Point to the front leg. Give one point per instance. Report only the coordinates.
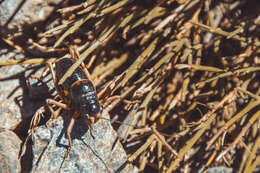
(55, 114)
(57, 87)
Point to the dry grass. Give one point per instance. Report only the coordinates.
(187, 73)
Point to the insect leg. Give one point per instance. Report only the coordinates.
(88, 123)
(44, 73)
(75, 55)
(71, 124)
(58, 89)
(55, 114)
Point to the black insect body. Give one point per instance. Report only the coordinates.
(78, 91)
(84, 98)
(79, 95)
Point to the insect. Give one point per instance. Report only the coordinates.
(78, 93)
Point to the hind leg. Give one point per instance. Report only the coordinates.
(69, 129)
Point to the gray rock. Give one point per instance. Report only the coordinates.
(99, 152)
(220, 169)
(19, 101)
(15, 14)
(9, 150)
(10, 90)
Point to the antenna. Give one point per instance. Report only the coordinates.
(119, 122)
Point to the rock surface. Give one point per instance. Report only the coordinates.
(99, 152)
(20, 95)
(220, 169)
(10, 92)
(9, 150)
(16, 14)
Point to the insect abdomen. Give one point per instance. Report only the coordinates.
(62, 67)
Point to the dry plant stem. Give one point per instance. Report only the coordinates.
(28, 61)
(184, 87)
(72, 29)
(198, 67)
(220, 104)
(249, 93)
(142, 148)
(245, 158)
(227, 162)
(161, 138)
(116, 6)
(46, 49)
(249, 166)
(233, 33)
(116, 102)
(111, 66)
(83, 56)
(175, 100)
(252, 120)
(77, 25)
(143, 161)
(160, 154)
(253, 165)
(37, 117)
(44, 73)
(135, 115)
(106, 91)
(56, 29)
(221, 32)
(242, 113)
(211, 158)
(34, 122)
(222, 75)
(10, 43)
(190, 143)
(170, 18)
(86, 10)
(141, 130)
(72, 8)
(92, 60)
(133, 69)
(146, 101)
(163, 116)
(178, 45)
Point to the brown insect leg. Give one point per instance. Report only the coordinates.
(110, 99)
(71, 124)
(88, 123)
(75, 56)
(55, 114)
(58, 89)
(43, 74)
